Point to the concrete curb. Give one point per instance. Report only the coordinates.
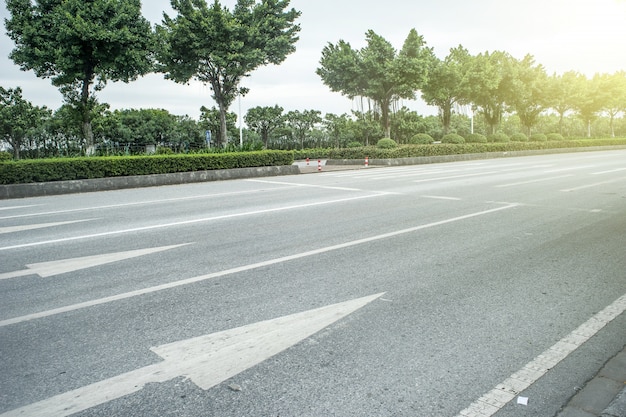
(468, 157)
(117, 183)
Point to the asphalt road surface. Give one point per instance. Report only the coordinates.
(494, 287)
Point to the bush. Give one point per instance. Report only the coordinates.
(499, 137)
(476, 138)
(386, 143)
(421, 139)
(452, 138)
(519, 137)
(354, 144)
(538, 137)
(164, 150)
(5, 156)
(554, 137)
(60, 169)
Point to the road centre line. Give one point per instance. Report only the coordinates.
(326, 187)
(188, 222)
(137, 203)
(609, 171)
(507, 390)
(533, 181)
(441, 197)
(582, 187)
(457, 176)
(245, 268)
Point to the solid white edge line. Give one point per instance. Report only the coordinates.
(243, 268)
(507, 390)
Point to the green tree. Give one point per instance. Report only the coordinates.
(488, 84)
(301, 123)
(587, 101)
(528, 98)
(81, 45)
(211, 120)
(339, 129)
(561, 91)
(18, 118)
(445, 85)
(612, 95)
(377, 71)
(264, 121)
(218, 47)
(405, 124)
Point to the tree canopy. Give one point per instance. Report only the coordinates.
(80, 45)
(377, 71)
(219, 47)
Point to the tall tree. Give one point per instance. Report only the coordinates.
(18, 118)
(81, 45)
(377, 71)
(264, 121)
(528, 98)
(488, 82)
(444, 87)
(561, 92)
(587, 101)
(219, 47)
(301, 123)
(612, 95)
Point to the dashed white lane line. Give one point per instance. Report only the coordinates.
(188, 222)
(609, 171)
(582, 187)
(507, 390)
(441, 197)
(22, 228)
(513, 184)
(245, 268)
(325, 187)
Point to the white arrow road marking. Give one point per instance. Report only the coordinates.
(206, 360)
(244, 268)
(48, 269)
(11, 229)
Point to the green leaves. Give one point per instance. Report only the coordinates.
(81, 44)
(377, 71)
(219, 47)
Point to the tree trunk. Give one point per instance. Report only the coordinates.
(223, 139)
(86, 116)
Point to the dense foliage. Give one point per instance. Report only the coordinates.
(490, 96)
(42, 170)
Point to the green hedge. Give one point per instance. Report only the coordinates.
(44, 170)
(413, 151)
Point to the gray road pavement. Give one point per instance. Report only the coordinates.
(434, 290)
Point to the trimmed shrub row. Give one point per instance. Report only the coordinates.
(413, 151)
(44, 170)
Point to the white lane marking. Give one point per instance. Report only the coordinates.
(582, 187)
(136, 203)
(513, 184)
(441, 197)
(457, 176)
(503, 393)
(609, 171)
(552, 171)
(22, 228)
(207, 360)
(327, 187)
(48, 269)
(188, 222)
(244, 268)
(18, 207)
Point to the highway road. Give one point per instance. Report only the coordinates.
(477, 288)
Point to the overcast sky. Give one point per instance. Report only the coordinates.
(582, 35)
